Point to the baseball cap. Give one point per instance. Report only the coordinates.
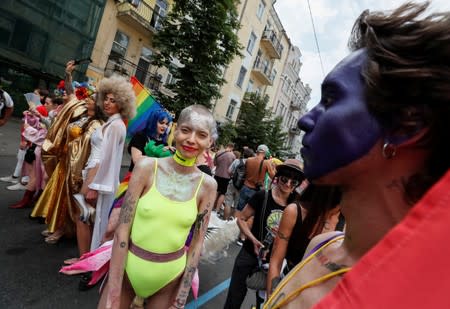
(262, 148)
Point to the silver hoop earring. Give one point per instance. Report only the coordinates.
(389, 150)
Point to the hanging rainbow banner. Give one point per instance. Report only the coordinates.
(145, 105)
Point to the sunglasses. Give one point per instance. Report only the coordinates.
(284, 180)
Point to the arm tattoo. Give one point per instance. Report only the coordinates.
(190, 271)
(200, 220)
(282, 236)
(275, 282)
(179, 303)
(126, 213)
(123, 244)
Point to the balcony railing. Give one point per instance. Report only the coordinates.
(294, 131)
(263, 72)
(140, 15)
(295, 105)
(270, 41)
(121, 66)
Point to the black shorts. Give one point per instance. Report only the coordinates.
(222, 184)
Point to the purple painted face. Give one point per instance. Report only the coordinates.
(340, 129)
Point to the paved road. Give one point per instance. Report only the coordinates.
(29, 275)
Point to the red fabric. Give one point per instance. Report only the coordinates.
(42, 110)
(409, 267)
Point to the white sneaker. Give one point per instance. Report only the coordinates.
(16, 187)
(25, 179)
(10, 178)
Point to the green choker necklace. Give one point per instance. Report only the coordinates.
(178, 157)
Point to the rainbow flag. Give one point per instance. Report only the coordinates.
(145, 105)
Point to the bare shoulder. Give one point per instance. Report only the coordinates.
(144, 165)
(209, 184)
(320, 238)
(291, 210)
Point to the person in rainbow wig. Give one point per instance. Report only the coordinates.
(149, 262)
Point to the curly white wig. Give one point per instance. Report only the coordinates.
(123, 93)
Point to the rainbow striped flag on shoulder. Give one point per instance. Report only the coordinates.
(145, 105)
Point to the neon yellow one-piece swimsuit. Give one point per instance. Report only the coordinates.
(160, 225)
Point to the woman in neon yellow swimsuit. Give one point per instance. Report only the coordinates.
(164, 199)
(381, 133)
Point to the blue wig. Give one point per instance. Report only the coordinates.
(151, 127)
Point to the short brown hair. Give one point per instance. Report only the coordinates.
(407, 79)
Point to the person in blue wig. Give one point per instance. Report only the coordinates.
(152, 140)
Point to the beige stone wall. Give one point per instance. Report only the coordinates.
(230, 90)
(110, 23)
(251, 23)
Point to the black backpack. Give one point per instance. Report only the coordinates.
(238, 177)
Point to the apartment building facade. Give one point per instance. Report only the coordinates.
(291, 99)
(265, 51)
(124, 43)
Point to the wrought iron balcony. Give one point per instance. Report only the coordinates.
(271, 43)
(263, 73)
(295, 105)
(146, 75)
(140, 15)
(294, 131)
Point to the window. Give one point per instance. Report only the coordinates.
(285, 86)
(276, 107)
(143, 64)
(231, 108)
(169, 79)
(120, 45)
(260, 10)
(21, 35)
(134, 3)
(251, 42)
(250, 86)
(273, 75)
(6, 29)
(241, 76)
(159, 12)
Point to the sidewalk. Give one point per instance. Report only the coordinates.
(10, 137)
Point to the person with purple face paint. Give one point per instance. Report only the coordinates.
(380, 133)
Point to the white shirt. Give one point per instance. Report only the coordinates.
(5, 101)
(106, 179)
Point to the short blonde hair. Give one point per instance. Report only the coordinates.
(123, 93)
(186, 113)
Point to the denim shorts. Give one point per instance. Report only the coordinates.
(244, 196)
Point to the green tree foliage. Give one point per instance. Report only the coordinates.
(254, 125)
(201, 35)
(275, 137)
(227, 133)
